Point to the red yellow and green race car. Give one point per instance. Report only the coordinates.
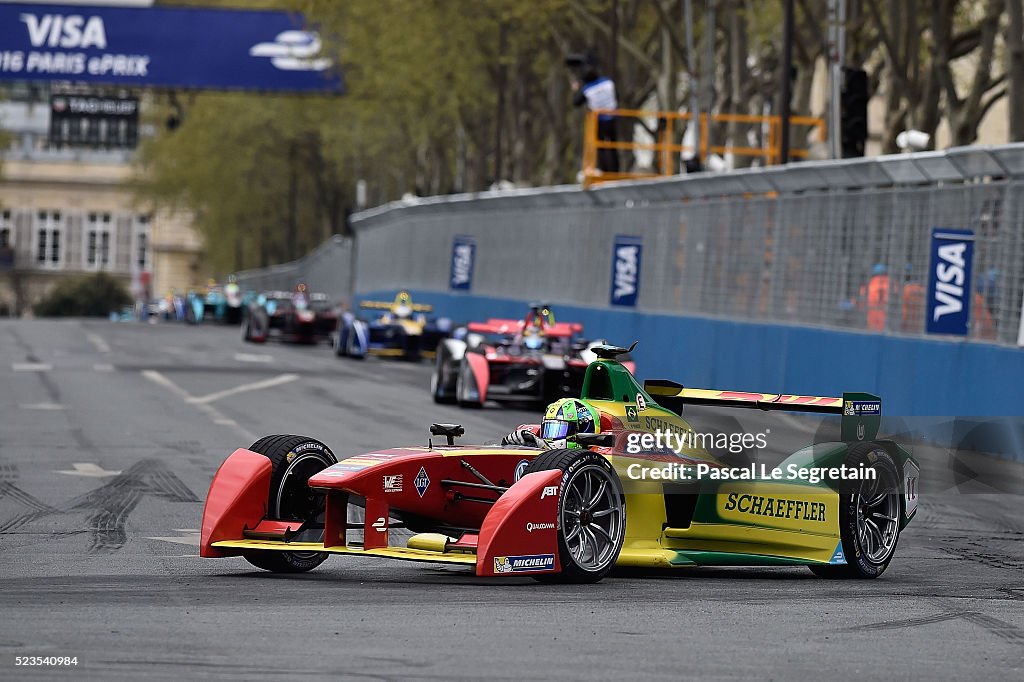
(616, 477)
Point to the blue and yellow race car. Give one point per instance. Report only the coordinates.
(401, 330)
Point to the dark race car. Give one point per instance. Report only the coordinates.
(297, 317)
(534, 359)
(401, 330)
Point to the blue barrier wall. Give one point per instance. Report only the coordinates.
(914, 376)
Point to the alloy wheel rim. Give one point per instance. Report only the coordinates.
(592, 518)
(295, 494)
(878, 516)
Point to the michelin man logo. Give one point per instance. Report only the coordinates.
(502, 564)
(293, 51)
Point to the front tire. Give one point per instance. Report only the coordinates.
(293, 460)
(437, 379)
(591, 514)
(463, 383)
(869, 516)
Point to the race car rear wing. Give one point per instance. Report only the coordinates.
(499, 326)
(861, 412)
(388, 305)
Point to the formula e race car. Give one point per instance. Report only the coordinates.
(401, 331)
(297, 317)
(223, 303)
(533, 359)
(568, 514)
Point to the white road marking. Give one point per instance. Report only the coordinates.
(41, 406)
(213, 413)
(191, 537)
(253, 357)
(98, 343)
(89, 469)
(31, 367)
(254, 386)
(103, 367)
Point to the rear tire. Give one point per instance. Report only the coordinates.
(869, 516)
(293, 460)
(591, 514)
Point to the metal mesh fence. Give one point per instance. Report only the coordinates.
(836, 244)
(327, 269)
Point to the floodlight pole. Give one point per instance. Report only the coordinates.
(691, 65)
(787, 68)
(836, 57)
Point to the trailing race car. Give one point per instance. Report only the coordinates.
(583, 491)
(534, 359)
(298, 317)
(223, 304)
(402, 330)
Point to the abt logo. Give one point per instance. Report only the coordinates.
(549, 491)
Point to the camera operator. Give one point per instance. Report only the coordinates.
(597, 92)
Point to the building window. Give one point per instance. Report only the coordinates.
(98, 241)
(6, 230)
(142, 240)
(6, 240)
(49, 239)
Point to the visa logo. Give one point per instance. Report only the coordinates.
(949, 289)
(463, 263)
(626, 267)
(58, 30)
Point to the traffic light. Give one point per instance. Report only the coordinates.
(854, 111)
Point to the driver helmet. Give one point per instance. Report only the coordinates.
(533, 338)
(567, 417)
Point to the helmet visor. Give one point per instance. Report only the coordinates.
(556, 429)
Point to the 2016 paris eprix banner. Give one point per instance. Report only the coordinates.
(168, 47)
(949, 282)
(626, 254)
(463, 257)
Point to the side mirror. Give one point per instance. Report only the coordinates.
(605, 440)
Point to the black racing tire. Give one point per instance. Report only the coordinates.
(293, 460)
(436, 386)
(258, 327)
(606, 513)
(339, 348)
(869, 516)
(459, 387)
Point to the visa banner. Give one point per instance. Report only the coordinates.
(185, 47)
(463, 257)
(627, 254)
(949, 282)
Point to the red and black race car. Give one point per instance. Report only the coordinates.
(298, 317)
(534, 359)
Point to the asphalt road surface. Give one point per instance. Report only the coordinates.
(110, 435)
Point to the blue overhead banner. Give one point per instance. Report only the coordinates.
(463, 257)
(183, 47)
(949, 282)
(626, 255)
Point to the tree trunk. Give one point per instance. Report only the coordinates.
(1015, 68)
